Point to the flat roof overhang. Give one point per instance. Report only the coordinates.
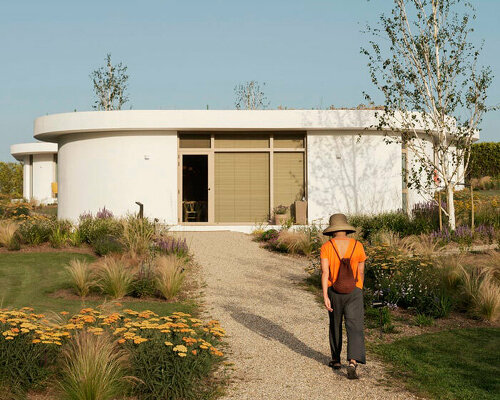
(20, 150)
(49, 128)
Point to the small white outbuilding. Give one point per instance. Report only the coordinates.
(39, 170)
(214, 169)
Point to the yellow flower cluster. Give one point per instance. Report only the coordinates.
(178, 331)
(25, 321)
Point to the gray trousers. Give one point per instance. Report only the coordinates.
(351, 307)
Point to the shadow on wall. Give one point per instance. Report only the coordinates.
(271, 330)
(352, 174)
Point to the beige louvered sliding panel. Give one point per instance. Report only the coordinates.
(241, 187)
(288, 178)
(288, 141)
(242, 140)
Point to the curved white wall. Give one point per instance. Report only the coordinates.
(39, 170)
(117, 169)
(352, 174)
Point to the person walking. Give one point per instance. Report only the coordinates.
(343, 267)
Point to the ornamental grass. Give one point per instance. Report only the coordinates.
(114, 277)
(138, 234)
(80, 276)
(169, 275)
(7, 231)
(93, 368)
(170, 357)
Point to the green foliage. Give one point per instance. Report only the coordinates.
(380, 318)
(423, 320)
(18, 211)
(15, 243)
(459, 364)
(92, 228)
(484, 160)
(165, 375)
(144, 284)
(106, 245)
(11, 179)
(110, 86)
(36, 231)
(408, 282)
(397, 222)
(23, 364)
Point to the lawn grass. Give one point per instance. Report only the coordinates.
(454, 364)
(28, 279)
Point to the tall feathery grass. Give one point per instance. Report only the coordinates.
(114, 277)
(81, 277)
(94, 368)
(475, 286)
(138, 234)
(169, 275)
(7, 231)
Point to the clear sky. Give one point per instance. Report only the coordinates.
(189, 54)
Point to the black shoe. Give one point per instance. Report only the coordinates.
(335, 364)
(351, 371)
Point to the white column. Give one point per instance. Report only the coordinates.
(27, 168)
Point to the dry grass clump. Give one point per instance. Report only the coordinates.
(114, 277)
(7, 231)
(93, 368)
(424, 245)
(169, 275)
(393, 240)
(81, 276)
(295, 242)
(476, 286)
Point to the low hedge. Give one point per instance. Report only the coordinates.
(484, 160)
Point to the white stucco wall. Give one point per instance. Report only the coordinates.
(26, 177)
(43, 176)
(116, 170)
(351, 174)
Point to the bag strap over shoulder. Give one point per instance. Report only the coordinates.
(353, 248)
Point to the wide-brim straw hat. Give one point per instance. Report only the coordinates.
(338, 222)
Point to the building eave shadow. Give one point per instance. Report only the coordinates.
(270, 330)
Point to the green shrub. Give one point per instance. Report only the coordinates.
(484, 159)
(11, 179)
(269, 234)
(176, 372)
(75, 238)
(144, 284)
(114, 277)
(36, 231)
(94, 368)
(106, 245)
(91, 229)
(23, 365)
(408, 282)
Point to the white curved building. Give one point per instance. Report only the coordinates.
(39, 170)
(224, 168)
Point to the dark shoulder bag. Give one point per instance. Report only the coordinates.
(345, 282)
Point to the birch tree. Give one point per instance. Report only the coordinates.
(423, 61)
(249, 96)
(110, 86)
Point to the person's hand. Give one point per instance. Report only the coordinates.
(328, 304)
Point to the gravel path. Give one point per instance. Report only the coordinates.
(276, 330)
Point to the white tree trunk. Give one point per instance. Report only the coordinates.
(451, 207)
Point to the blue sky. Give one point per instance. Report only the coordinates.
(190, 54)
